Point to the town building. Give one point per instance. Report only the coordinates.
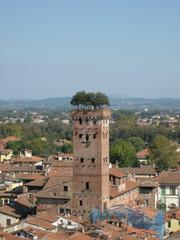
(169, 189)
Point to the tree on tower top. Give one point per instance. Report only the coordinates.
(89, 100)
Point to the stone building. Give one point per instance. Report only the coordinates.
(91, 160)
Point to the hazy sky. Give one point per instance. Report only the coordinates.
(51, 48)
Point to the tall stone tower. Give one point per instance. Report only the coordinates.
(91, 160)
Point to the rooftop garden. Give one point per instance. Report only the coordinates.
(90, 101)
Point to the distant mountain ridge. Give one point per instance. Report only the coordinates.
(63, 103)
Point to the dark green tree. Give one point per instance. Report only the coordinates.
(12, 129)
(124, 153)
(79, 99)
(67, 148)
(100, 100)
(137, 143)
(17, 146)
(163, 153)
(89, 100)
(40, 147)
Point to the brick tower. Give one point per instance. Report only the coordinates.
(91, 160)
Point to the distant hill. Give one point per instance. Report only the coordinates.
(63, 103)
(48, 103)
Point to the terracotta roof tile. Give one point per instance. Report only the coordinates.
(9, 139)
(24, 200)
(24, 168)
(148, 183)
(143, 153)
(41, 223)
(29, 176)
(33, 159)
(7, 210)
(47, 216)
(54, 236)
(79, 236)
(38, 182)
(144, 170)
(8, 236)
(169, 178)
(114, 192)
(116, 172)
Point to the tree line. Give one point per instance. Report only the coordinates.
(126, 138)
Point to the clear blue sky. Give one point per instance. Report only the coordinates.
(51, 48)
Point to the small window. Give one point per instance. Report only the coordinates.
(80, 202)
(80, 135)
(87, 121)
(87, 185)
(169, 224)
(172, 190)
(94, 135)
(81, 160)
(163, 191)
(8, 221)
(65, 188)
(87, 137)
(93, 160)
(61, 210)
(80, 120)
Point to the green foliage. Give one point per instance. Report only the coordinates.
(28, 119)
(33, 135)
(17, 146)
(56, 129)
(100, 99)
(89, 100)
(124, 153)
(39, 147)
(161, 206)
(125, 126)
(11, 129)
(118, 114)
(67, 148)
(137, 143)
(163, 153)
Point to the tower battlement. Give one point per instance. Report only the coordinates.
(104, 113)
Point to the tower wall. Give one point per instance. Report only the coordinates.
(91, 160)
